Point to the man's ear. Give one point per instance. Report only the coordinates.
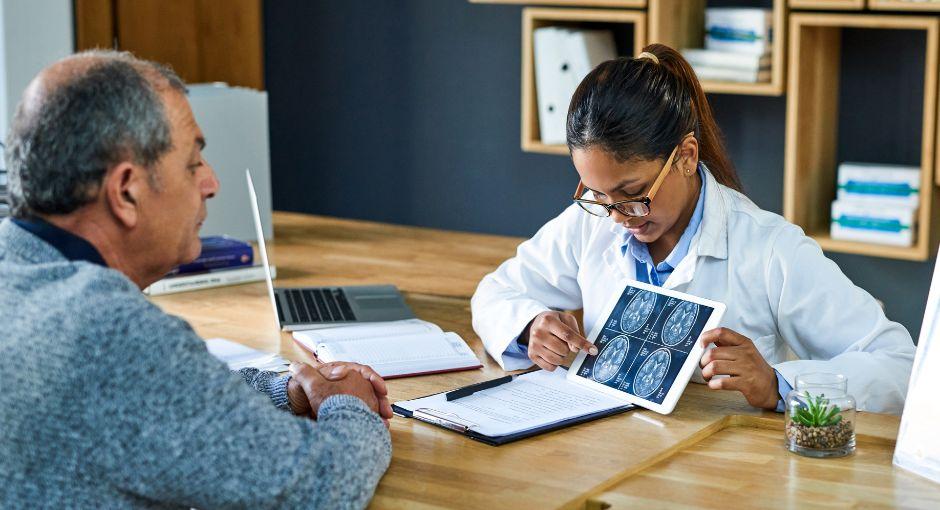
(125, 186)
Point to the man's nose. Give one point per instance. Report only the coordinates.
(209, 185)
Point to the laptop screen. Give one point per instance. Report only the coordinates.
(261, 247)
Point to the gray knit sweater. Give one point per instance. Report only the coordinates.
(107, 402)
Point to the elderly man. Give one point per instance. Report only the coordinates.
(107, 401)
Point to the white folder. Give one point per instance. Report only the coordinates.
(551, 82)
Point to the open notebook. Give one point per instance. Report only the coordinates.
(393, 349)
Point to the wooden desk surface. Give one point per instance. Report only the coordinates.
(595, 465)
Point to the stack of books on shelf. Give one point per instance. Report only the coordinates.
(222, 261)
(876, 203)
(4, 195)
(738, 46)
(563, 57)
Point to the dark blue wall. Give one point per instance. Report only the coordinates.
(408, 111)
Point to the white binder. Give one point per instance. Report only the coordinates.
(563, 57)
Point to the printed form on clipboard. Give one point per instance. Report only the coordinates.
(648, 349)
(393, 349)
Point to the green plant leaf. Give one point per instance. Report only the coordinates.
(830, 416)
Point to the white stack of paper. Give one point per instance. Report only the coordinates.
(738, 45)
(393, 349)
(238, 356)
(563, 57)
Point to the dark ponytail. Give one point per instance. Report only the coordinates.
(643, 107)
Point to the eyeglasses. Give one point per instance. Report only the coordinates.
(637, 207)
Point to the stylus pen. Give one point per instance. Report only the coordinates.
(473, 388)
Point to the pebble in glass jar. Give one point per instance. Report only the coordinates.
(820, 416)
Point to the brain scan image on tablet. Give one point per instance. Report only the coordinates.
(679, 323)
(638, 311)
(611, 358)
(651, 373)
(644, 341)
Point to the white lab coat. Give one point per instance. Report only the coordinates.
(779, 288)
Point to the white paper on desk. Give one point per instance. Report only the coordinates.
(310, 338)
(530, 401)
(238, 356)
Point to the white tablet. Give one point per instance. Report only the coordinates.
(647, 346)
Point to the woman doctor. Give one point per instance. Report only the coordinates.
(659, 202)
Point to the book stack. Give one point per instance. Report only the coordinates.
(738, 46)
(876, 203)
(563, 57)
(222, 261)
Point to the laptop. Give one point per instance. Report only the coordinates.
(299, 309)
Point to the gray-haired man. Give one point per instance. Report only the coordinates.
(107, 401)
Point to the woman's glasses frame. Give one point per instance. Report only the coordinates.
(635, 207)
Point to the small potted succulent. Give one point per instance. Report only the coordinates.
(818, 425)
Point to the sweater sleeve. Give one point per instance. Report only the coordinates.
(173, 425)
(268, 383)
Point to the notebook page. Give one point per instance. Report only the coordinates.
(311, 338)
(398, 355)
(238, 356)
(530, 401)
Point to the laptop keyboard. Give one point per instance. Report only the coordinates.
(319, 305)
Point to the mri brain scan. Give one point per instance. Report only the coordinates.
(637, 311)
(651, 373)
(611, 359)
(679, 323)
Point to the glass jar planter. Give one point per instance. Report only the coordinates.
(820, 416)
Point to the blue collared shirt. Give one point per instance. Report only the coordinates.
(647, 271)
(71, 246)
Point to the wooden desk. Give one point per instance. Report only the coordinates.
(713, 446)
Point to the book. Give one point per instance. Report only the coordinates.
(854, 220)
(729, 74)
(699, 57)
(218, 252)
(393, 349)
(741, 30)
(891, 185)
(208, 280)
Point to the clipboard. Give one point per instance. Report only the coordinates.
(455, 423)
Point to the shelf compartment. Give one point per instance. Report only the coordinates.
(681, 24)
(633, 27)
(812, 127)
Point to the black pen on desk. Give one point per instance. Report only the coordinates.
(466, 391)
